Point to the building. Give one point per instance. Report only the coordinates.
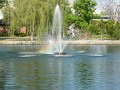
(1, 15)
(71, 2)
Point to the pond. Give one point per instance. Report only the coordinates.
(83, 67)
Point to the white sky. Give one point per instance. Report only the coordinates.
(99, 6)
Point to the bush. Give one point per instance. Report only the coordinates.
(94, 29)
(3, 33)
(20, 34)
(116, 34)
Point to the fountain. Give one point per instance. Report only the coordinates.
(54, 42)
(57, 31)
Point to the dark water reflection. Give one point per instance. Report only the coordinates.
(91, 67)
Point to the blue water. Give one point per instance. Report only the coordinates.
(83, 67)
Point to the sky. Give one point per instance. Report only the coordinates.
(99, 5)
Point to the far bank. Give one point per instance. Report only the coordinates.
(74, 42)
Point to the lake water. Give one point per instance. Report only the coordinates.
(83, 67)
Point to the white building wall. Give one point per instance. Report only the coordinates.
(71, 2)
(1, 15)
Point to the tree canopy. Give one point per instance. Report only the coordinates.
(83, 13)
(35, 15)
(3, 3)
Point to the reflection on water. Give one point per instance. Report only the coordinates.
(82, 71)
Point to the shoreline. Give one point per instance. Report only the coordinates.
(96, 42)
(75, 42)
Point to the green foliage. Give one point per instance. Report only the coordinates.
(93, 29)
(35, 15)
(84, 10)
(97, 26)
(3, 33)
(20, 34)
(69, 16)
(2, 3)
(80, 14)
(110, 27)
(116, 34)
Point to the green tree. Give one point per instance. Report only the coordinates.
(102, 28)
(84, 12)
(93, 27)
(116, 34)
(2, 3)
(116, 31)
(98, 27)
(110, 27)
(35, 15)
(69, 17)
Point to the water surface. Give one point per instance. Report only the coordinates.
(88, 67)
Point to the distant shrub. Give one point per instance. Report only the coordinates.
(20, 34)
(94, 29)
(116, 34)
(3, 32)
